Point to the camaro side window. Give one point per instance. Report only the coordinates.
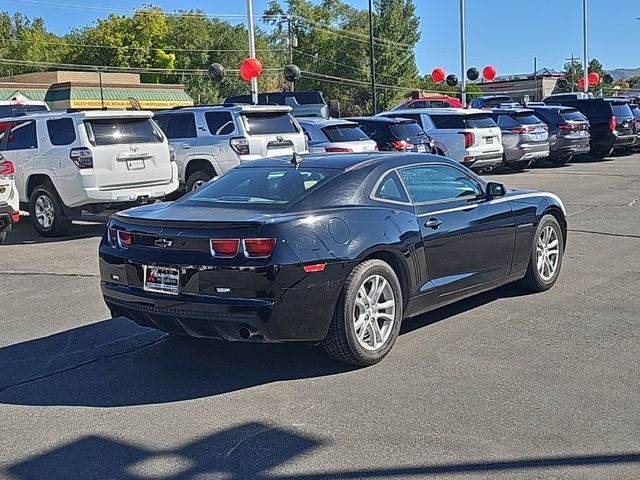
(436, 183)
(391, 189)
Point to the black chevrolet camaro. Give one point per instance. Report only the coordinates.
(334, 249)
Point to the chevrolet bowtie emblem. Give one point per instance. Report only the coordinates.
(163, 243)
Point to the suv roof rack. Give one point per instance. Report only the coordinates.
(211, 105)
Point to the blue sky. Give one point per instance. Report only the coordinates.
(504, 33)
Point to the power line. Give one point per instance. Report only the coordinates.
(62, 42)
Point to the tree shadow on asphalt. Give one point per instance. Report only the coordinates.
(117, 363)
(259, 451)
(23, 232)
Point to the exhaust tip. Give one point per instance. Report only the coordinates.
(244, 333)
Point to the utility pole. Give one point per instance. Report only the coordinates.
(572, 59)
(372, 61)
(291, 43)
(463, 56)
(99, 70)
(535, 79)
(252, 49)
(585, 31)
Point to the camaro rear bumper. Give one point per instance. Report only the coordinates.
(293, 306)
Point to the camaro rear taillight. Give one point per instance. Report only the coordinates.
(7, 169)
(258, 247)
(82, 157)
(124, 239)
(224, 247)
(240, 145)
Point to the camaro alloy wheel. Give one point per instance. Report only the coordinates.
(366, 320)
(374, 312)
(547, 253)
(546, 256)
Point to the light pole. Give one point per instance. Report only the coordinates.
(372, 61)
(463, 56)
(252, 49)
(99, 70)
(585, 57)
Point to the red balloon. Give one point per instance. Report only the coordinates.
(438, 75)
(581, 82)
(250, 68)
(489, 72)
(594, 79)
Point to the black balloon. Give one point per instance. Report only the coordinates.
(608, 78)
(473, 73)
(452, 80)
(216, 72)
(562, 83)
(292, 73)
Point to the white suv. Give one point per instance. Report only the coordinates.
(93, 160)
(211, 139)
(469, 136)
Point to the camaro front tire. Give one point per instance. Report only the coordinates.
(367, 317)
(546, 256)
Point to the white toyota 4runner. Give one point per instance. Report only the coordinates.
(88, 160)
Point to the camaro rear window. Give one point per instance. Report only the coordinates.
(114, 131)
(261, 186)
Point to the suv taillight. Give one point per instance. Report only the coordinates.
(240, 145)
(7, 169)
(520, 130)
(172, 153)
(570, 127)
(402, 145)
(612, 124)
(337, 150)
(82, 157)
(469, 139)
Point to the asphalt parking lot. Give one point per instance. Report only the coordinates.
(503, 385)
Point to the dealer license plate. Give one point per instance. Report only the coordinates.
(135, 164)
(422, 148)
(162, 280)
(489, 140)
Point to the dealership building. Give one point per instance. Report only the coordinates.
(88, 90)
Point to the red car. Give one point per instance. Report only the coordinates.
(428, 100)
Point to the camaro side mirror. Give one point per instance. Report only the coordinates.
(495, 189)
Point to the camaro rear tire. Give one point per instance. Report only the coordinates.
(47, 212)
(367, 318)
(546, 256)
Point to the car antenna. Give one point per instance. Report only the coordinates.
(296, 159)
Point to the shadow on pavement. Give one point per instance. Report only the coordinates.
(255, 450)
(88, 227)
(118, 363)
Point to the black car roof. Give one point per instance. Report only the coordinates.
(513, 111)
(348, 161)
(551, 107)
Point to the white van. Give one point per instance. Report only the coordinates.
(469, 136)
(91, 160)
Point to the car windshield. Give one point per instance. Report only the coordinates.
(621, 110)
(261, 186)
(344, 133)
(115, 131)
(268, 123)
(527, 119)
(572, 116)
(407, 130)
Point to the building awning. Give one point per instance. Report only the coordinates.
(29, 94)
(146, 96)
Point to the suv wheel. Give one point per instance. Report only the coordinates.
(198, 179)
(366, 320)
(47, 212)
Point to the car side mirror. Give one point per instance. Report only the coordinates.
(495, 189)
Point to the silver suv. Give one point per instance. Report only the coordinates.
(209, 140)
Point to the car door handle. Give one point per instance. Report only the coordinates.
(433, 222)
(185, 146)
